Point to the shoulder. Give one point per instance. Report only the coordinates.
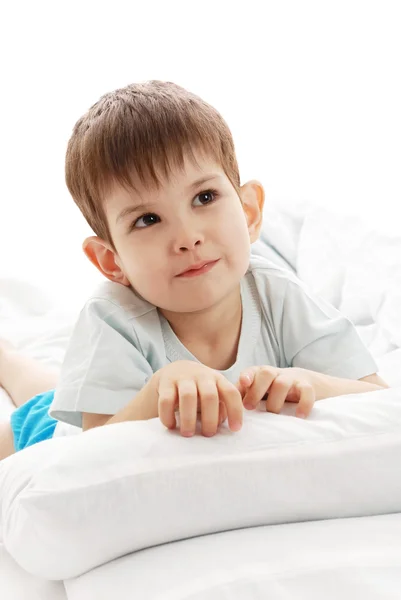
(281, 292)
(271, 281)
(116, 312)
(278, 279)
(110, 298)
(263, 268)
(115, 325)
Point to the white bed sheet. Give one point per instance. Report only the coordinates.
(333, 559)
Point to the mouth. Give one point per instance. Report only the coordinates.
(199, 269)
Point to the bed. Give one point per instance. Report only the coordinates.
(288, 509)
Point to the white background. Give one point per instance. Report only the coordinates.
(310, 89)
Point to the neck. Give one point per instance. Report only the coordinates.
(212, 335)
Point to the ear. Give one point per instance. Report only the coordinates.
(252, 197)
(105, 259)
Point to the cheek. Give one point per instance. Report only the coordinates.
(236, 230)
(147, 274)
(138, 257)
(146, 261)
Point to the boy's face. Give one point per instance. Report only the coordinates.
(185, 247)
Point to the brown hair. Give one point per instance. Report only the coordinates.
(141, 129)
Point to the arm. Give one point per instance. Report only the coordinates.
(142, 407)
(375, 379)
(317, 337)
(192, 388)
(326, 386)
(104, 370)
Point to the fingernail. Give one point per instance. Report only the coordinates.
(187, 433)
(301, 415)
(236, 426)
(248, 406)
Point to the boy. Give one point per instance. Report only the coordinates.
(188, 320)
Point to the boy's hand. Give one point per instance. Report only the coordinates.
(192, 387)
(280, 385)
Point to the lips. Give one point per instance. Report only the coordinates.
(198, 268)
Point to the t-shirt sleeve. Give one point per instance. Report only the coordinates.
(103, 367)
(316, 336)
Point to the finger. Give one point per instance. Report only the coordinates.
(231, 398)
(222, 413)
(278, 393)
(187, 401)
(264, 378)
(209, 401)
(246, 379)
(306, 400)
(167, 400)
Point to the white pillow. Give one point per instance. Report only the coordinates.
(73, 503)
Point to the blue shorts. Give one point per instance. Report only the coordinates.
(31, 422)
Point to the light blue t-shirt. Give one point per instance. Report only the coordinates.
(120, 340)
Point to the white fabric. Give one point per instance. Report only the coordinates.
(281, 230)
(341, 559)
(120, 340)
(17, 584)
(88, 499)
(357, 269)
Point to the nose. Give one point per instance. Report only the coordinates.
(187, 238)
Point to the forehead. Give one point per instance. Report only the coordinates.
(193, 170)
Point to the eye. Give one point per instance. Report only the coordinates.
(145, 221)
(206, 197)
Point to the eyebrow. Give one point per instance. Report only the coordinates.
(146, 205)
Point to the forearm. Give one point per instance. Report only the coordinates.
(141, 408)
(326, 386)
